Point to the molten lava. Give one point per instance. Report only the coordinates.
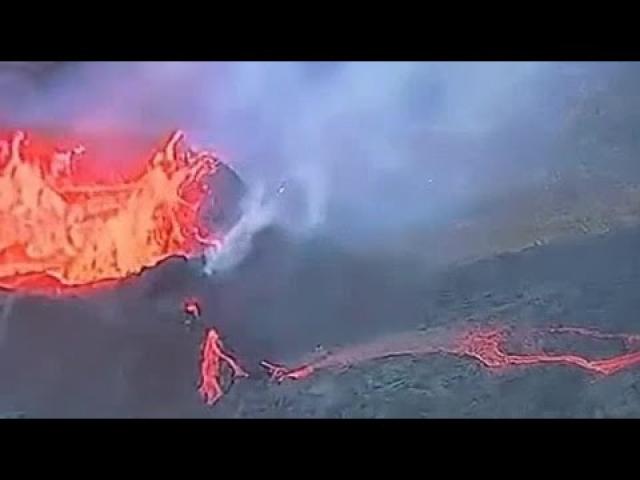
(191, 307)
(484, 345)
(487, 346)
(402, 344)
(213, 357)
(64, 229)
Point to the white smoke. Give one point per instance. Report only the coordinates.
(358, 145)
(257, 213)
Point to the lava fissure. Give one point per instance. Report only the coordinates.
(484, 345)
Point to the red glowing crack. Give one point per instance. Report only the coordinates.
(486, 345)
(410, 343)
(628, 339)
(280, 372)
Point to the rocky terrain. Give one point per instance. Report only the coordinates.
(120, 354)
(591, 284)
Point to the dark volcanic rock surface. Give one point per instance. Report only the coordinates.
(127, 352)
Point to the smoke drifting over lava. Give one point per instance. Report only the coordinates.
(357, 151)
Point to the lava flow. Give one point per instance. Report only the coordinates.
(63, 230)
(484, 345)
(191, 307)
(403, 344)
(487, 347)
(213, 356)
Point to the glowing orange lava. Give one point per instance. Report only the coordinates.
(63, 228)
(486, 345)
(213, 356)
(191, 307)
